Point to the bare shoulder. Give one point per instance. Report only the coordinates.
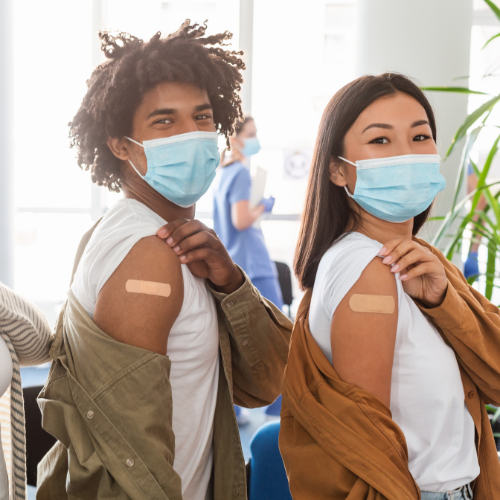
(142, 319)
(376, 278)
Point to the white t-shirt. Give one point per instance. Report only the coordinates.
(5, 380)
(427, 395)
(193, 343)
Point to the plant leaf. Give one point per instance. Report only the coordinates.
(451, 216)
(492, 38)
(464, 162)
(460, 90)
(494, 8)
(490, 269)
(470, 120)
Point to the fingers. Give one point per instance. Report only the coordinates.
(420, 270)
(395, 249)
(205, 254)
(166, 230)
(197, 240)
(412, 257)
(174, 232)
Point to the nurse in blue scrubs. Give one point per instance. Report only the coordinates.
(233, 217)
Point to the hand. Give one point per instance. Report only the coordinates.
(200, 248)
(471, 266)
(421, 272)
(268, 203)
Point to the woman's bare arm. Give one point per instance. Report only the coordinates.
(242, 216)
(363, 342)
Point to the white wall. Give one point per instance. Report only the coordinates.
(428, 40)
(6, 136)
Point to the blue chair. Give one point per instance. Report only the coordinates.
(267, 479)
(274, 409)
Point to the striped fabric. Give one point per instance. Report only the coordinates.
(28, 337)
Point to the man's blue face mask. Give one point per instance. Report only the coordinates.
(251, 146)
(182, 167)
(397, 188)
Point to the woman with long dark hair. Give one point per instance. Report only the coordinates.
(389, 338)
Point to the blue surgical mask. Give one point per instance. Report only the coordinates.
(182, 167)
(251, 146)
(397, 188)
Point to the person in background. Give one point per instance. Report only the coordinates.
(25, 339)
(234, 217)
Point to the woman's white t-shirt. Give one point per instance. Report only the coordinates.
(5, 380)
(193, 342)
(427, 395)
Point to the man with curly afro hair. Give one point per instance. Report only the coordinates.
(162, 333)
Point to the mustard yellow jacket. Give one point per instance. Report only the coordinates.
(339, 442)
(109, 404)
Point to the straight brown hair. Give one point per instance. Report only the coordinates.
(327, 213)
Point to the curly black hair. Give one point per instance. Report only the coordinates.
(116, 88)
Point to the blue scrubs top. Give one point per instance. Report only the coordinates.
(247, 248)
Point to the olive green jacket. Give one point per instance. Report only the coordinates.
(109, 404)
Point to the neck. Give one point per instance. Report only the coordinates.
(381, 230)
(138, 189)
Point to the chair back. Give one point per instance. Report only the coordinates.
(285, 279)
(38, 441)
(267, 479)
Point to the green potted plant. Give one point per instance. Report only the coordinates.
(467, 213)
(481, 219)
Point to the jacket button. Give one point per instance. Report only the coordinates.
(90, 415)
(229, 304)
(129, 462)
(471, 394)
(245, 342)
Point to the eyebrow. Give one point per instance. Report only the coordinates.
(390, 127)
(173, 111)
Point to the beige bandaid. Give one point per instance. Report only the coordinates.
(148, 287)
(383, 304)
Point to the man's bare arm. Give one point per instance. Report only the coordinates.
(142, 320)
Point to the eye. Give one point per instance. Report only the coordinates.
(380, 140)
(164, 121)
(421, 137)
(204, 117)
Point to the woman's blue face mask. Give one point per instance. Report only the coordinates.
(251, 146)
(397, 188)
(182, 167)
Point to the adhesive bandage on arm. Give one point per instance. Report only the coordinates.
(383, 304)
(148, 288)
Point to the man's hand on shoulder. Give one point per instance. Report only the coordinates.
(141, 319)
(201, 249)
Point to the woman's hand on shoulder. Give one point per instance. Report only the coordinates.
(421, 272)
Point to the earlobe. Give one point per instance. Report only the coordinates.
(336, 173)
(118, 148)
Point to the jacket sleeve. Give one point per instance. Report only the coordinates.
(259, 337)
(26, 327)
(471, 326)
